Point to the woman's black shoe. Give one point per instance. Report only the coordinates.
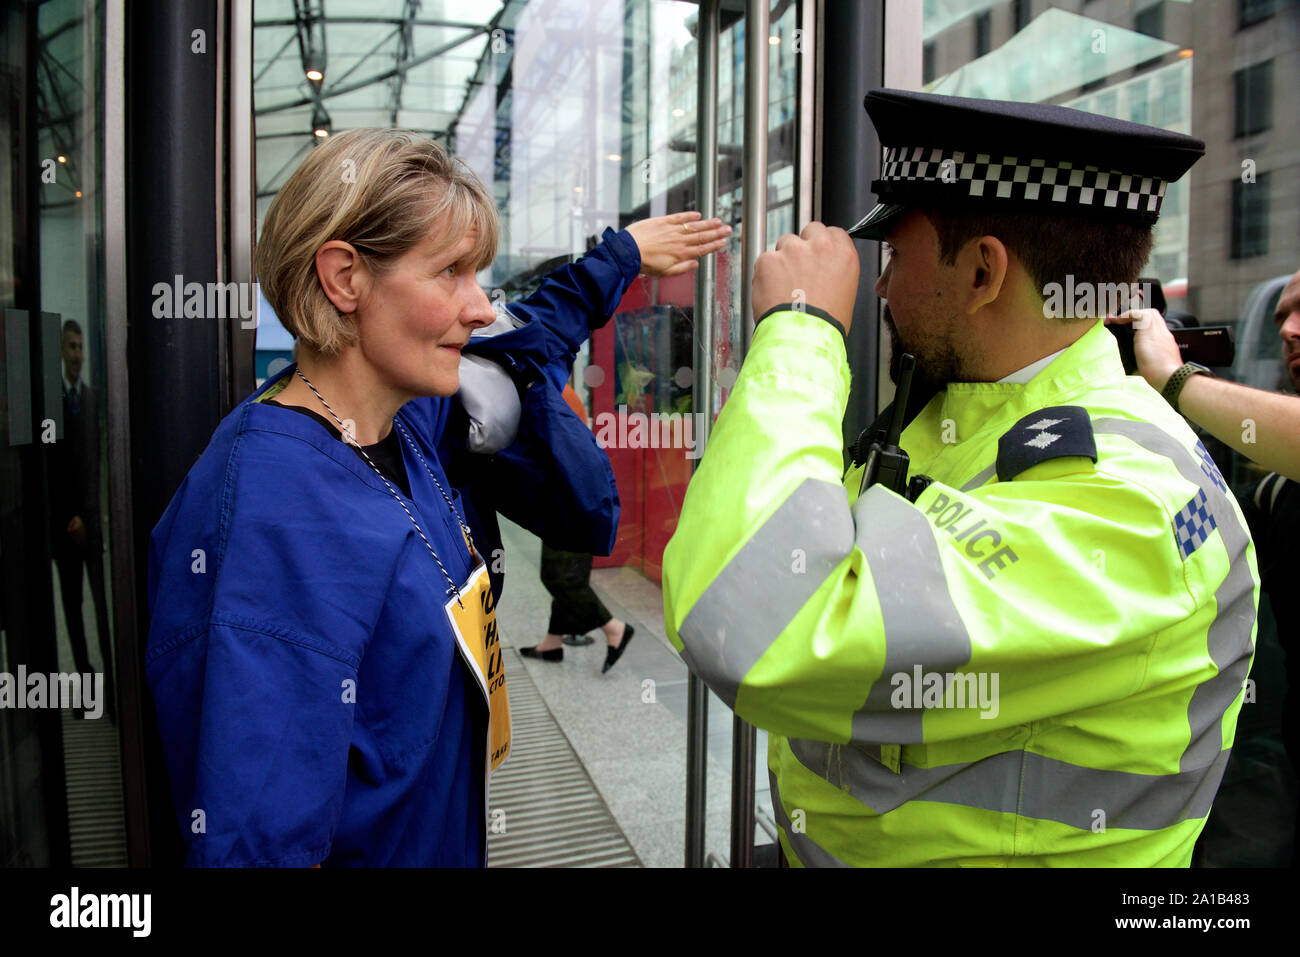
(553, 654)
(613, 654)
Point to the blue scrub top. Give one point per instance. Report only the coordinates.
(312, 702)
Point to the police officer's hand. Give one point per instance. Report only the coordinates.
(818, 268)
(1154, 347)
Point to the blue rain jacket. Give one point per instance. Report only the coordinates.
(312, 704)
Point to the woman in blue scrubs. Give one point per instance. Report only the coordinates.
(321, 645)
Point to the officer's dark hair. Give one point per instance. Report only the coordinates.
(71, 325)
(1051, 247)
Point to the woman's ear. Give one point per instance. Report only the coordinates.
(986, 268)
(339, 269)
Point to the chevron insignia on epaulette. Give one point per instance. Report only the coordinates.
(1053, 433)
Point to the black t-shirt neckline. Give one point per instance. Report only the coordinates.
(386, 453)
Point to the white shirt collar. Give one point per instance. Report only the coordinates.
(1028, 372)
(70, 387)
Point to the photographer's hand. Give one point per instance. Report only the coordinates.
(1157, 353)
(1262, 426)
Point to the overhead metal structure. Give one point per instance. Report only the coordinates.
(315, 68)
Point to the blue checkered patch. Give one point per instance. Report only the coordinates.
(1193, 524)
(1210, 469)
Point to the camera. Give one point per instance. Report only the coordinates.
(1208, 345)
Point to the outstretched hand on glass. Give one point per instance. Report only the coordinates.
(673, 244)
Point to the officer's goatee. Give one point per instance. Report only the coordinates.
(926, 379)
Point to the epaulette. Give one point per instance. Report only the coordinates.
(1053, 433)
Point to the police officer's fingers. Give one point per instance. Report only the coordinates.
(677, 219)
(773, 281)
(813, 230)
(787, 240)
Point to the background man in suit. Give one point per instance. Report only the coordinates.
(76, 535)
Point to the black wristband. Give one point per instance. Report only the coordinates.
(1174, 387)
(807, 310)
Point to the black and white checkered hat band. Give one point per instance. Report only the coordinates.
(1034, 180)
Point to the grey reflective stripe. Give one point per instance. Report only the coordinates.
(761, 589)
(981, 478)
(1229, 639)
(1022, 783)
(922, 626)
(809, 853)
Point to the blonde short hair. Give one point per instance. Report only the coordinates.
(379, 190)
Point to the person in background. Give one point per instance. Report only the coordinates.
(575, 608)
(1222, 408)
(76, 534)
(1219, 406)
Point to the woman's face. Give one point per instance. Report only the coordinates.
(415, 317)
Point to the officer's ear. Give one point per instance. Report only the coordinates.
(983, 264)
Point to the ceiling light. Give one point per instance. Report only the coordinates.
(614, 157)
(679, 112)
(320, 122)
(62, 158)
(315, 75)
(774, 41)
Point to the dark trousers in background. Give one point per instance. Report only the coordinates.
(69, 559)
(575, 609)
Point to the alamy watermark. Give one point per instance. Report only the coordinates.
(127, 911)
(179, 299)
(654, 430)
(1089, 300)
(949, 690)
(59, 690)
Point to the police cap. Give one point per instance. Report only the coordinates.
(995, 156)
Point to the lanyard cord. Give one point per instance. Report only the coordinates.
(451, 585)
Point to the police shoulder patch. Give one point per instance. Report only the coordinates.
(1052, 433)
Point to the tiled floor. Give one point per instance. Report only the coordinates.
(628, 727)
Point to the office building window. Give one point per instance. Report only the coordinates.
(1250, 12)
(1250, 217)
(1139, 102)
(1151, 21)
(1254, 97)
(1170, 109)
(927, 63)
(983, 33)
(1022, 12)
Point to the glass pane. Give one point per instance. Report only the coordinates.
(1218, 254)
(61, 797)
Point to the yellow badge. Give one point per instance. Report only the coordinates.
(474, 620)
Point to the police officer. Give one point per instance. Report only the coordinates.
(1038, 655)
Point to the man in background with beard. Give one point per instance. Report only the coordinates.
(1034, 651)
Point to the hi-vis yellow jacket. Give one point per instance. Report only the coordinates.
(1039, 662)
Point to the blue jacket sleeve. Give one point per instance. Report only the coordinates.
(555, 479)
(559, 316)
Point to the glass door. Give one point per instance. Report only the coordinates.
(61, 799)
